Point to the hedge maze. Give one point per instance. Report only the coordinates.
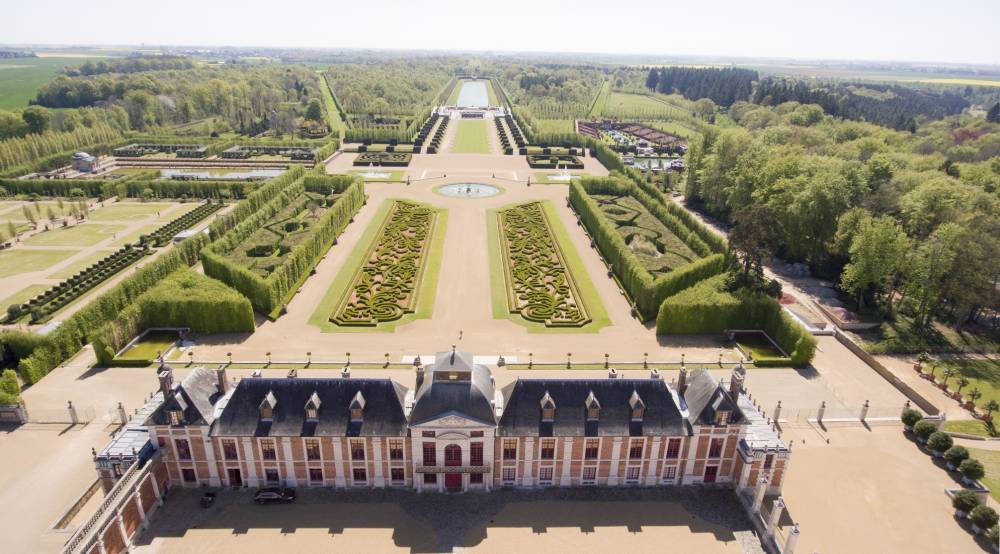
(539, 285)
(386, 285)
(656, 246)
(267, 247)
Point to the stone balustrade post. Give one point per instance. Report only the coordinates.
(793, 537)
(822, 410)
(74, 418)
(758, 497)
(864, 411)
(776, 509)
(777, 412)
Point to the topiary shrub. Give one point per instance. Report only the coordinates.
(923, 429)
(972, 470)
(964, 502)
(955, 456)
(938, 442)
(982, 518)
(910, 418)
(993, 535)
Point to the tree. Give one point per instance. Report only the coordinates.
(750, 239)
(653, 78)
(939, 442)
(910, 417)
(36, 118)
(991, 407)
(993, 116)
(877, 252)
(923, 429)
(12, 125)
(932, 263)
(975, 394)
(962, 383)
(964, 501)
(314, 111)
(956, 455)
(971, 469)
(983, 517)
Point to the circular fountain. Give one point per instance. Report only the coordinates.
(468, 190)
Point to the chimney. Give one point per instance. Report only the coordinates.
(222, 379)
(166, 376)
(420, 376)
(293, 373)
(654, 374)
(612, 373)
(682, 381)
(345, 372)
(736, 384)
(257, 374)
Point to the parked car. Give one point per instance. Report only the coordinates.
(207, 499)
(274, 495)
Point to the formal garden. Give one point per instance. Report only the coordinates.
(384, 159)
(387, 284)
(543, 284)
(268, 245)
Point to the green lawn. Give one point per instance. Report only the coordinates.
(970, 427)
(148, 346)
(85, 234)
(124, 211)
(395, 176)
(133, 237)
(471, 137)
(15, 261)
(22, 296)
(626, 105)
(983, 374)
(546, 178)
(345, 277)
(991, 462)
(20, 78)
(902, 336)
(79, 265)
(498, 283)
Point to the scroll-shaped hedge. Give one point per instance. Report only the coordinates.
(385, 286)
(540, 287)
(648, 292)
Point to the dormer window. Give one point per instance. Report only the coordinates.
(593, 407)
(176, 417)
(548, 408)
(637, 405)
(267, 406)
(722, 417)
(312, 407)
(357, 407)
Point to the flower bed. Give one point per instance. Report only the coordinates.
(164, 234)
(385, 286)
(540, 287)
(536, 161)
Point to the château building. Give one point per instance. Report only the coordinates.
(455, 431)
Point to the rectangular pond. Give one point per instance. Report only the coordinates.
(473, 94)
(222, 173)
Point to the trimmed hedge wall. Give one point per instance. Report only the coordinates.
(254, 201)
(183, 299)
(647, 292)
(268, 294)
(707, 308)
(67, 339)
(129, 187)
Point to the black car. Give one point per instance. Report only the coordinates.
(274, 495)
(207, 499)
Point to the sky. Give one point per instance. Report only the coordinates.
(959, 31)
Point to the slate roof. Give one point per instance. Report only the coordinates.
(472, 399)
(382, 415)
(195, 396)
(522, 412)
(704, 397)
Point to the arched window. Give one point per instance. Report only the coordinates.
(453, 455)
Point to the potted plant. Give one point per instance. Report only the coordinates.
(962, 383)
(922, 359)
(990, 407)
(923, 429)
(971, 470)
(982, 518)
(974, 396)
(938, 442)
(948, 374)
(955, 456)
(993, 535)
(964, 502)
(910, 418)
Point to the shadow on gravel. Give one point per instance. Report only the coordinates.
(433, 522)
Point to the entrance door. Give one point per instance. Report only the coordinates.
(710, 473)
(453, 482)
(235, 478)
